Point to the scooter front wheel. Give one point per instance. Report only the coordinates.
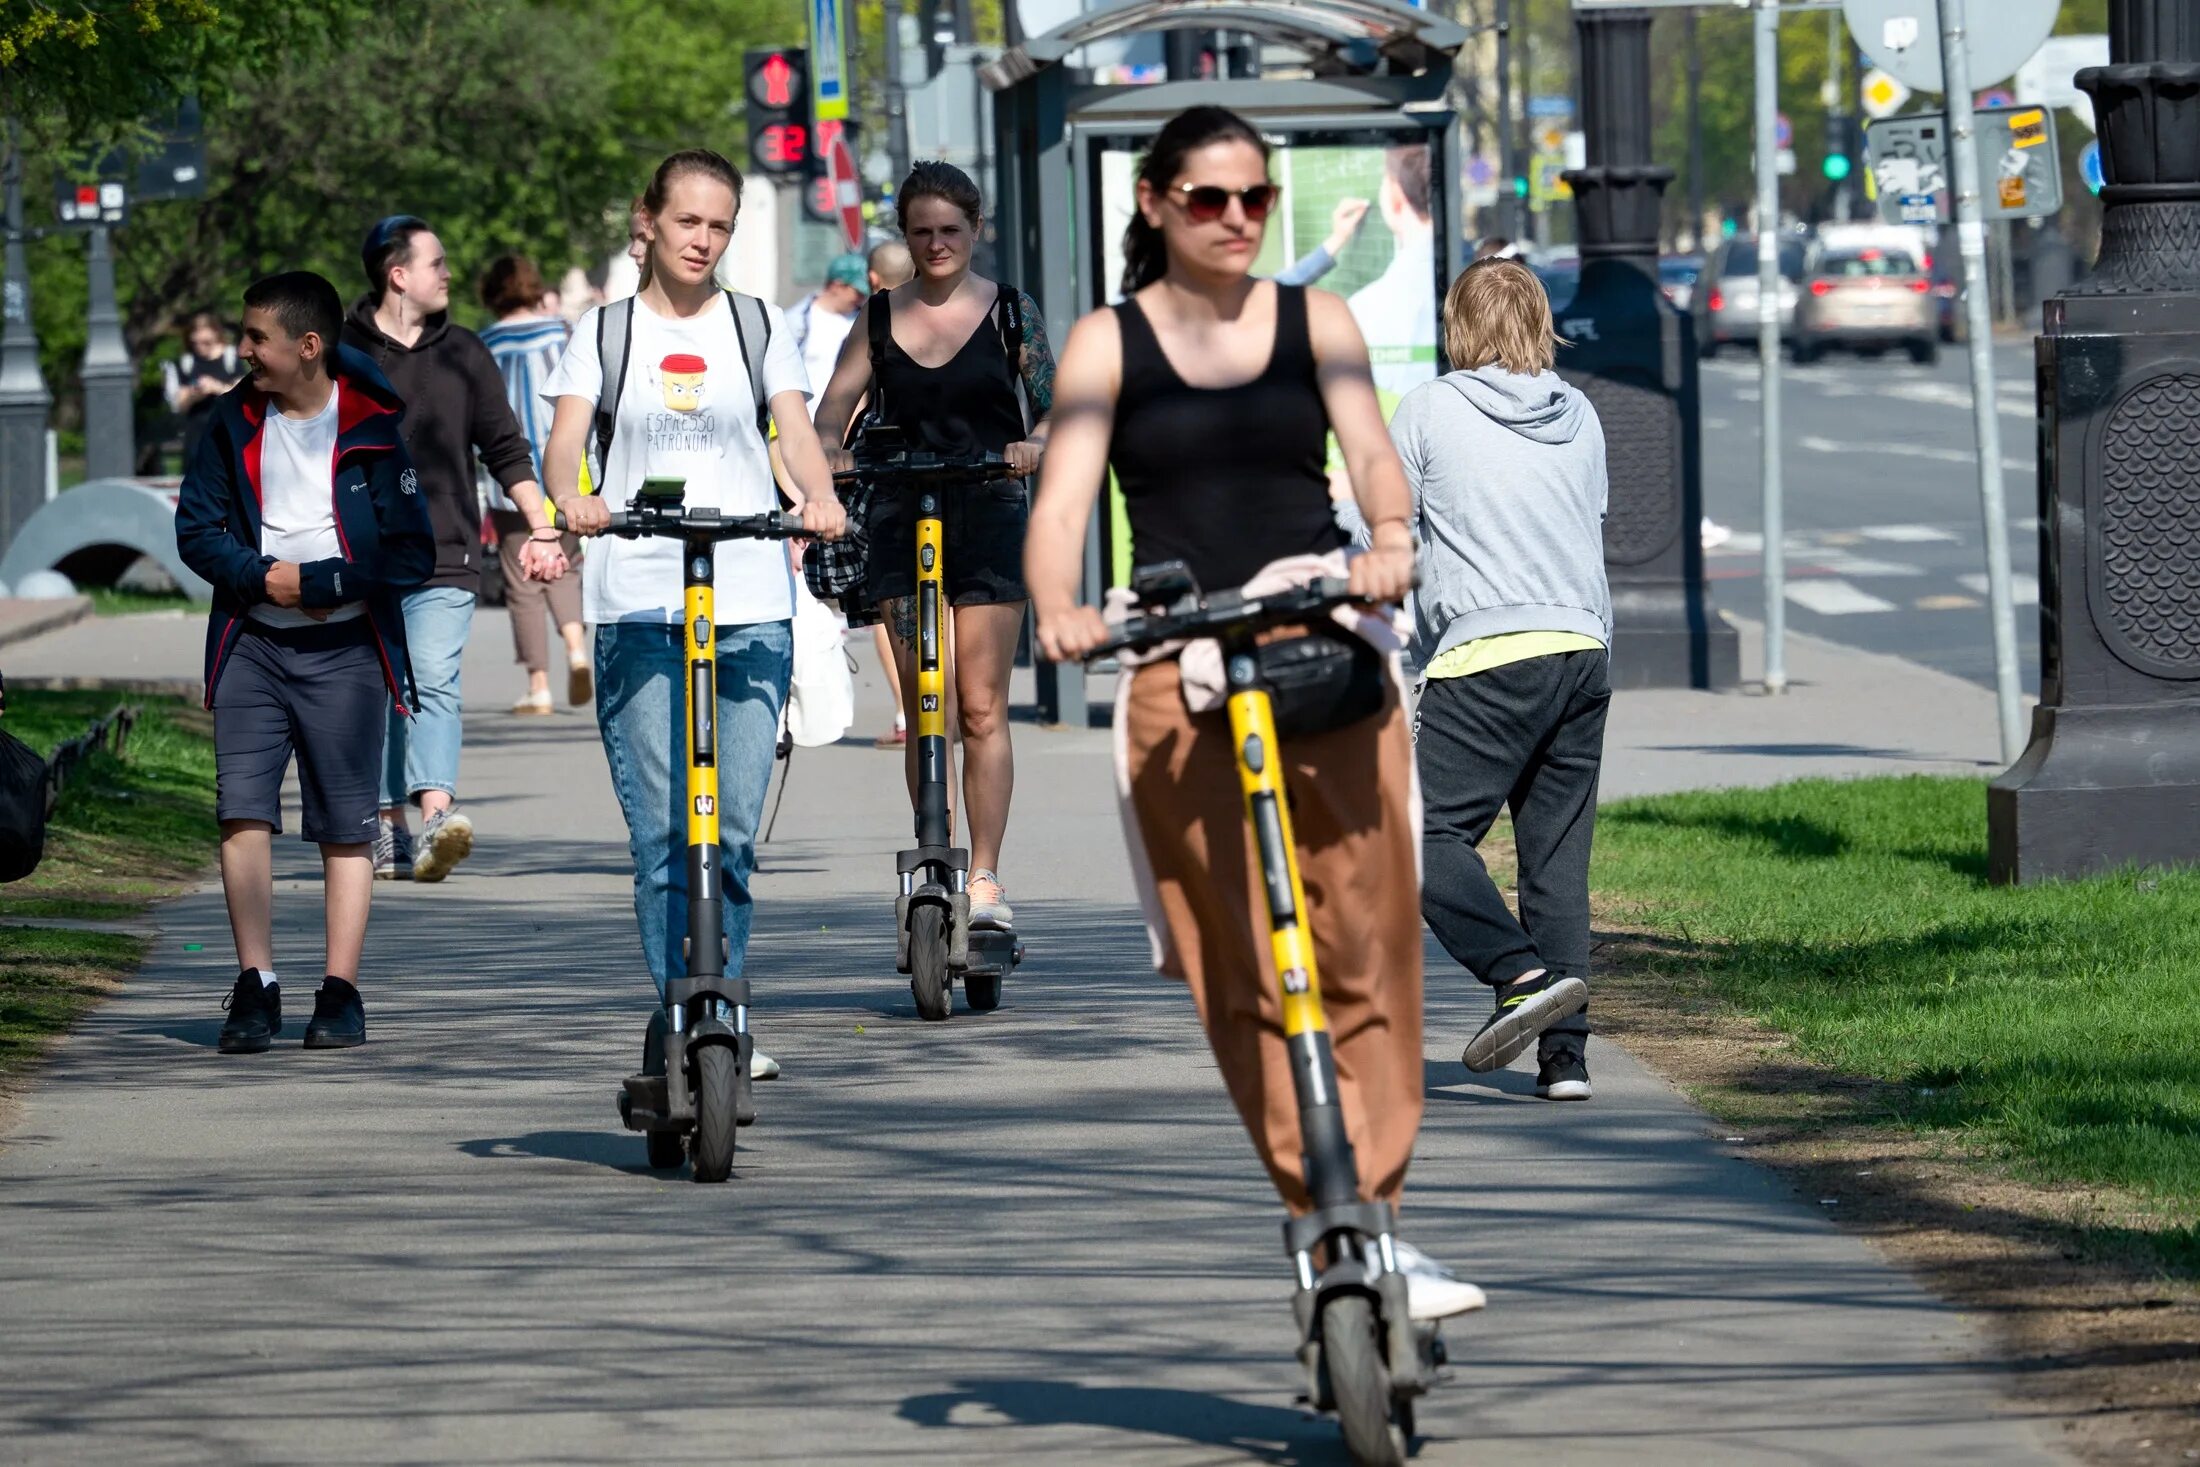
(715, 1123)
(1359, 1382)
(929, 981)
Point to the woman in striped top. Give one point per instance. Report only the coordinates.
(527, 344)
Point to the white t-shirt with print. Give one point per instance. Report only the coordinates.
(686, 412)
(298, 502)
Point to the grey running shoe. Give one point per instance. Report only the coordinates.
(447, 841)
(393, 852)
(1524, 1010)
(762, 1066)
(988, 903)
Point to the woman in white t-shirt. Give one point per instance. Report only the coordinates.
(686, 410)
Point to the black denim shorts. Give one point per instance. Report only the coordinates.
(982, 539)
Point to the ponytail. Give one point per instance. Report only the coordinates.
(1145, 248)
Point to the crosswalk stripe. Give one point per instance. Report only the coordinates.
(1835, 598)
(1945, 603)
(1911, 534)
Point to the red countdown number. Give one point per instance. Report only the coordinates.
(783, 145)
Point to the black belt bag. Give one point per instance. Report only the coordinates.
(1321, 682)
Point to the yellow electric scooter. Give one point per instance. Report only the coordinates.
(936, 943)
(693, 1090)
(1364, 1357)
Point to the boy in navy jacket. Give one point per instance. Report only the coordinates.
(302, 509)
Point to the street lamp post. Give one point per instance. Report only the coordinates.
(23, 396)
(110, 435)
(1634, 357)
(2111, 777)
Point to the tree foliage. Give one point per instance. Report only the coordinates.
(509, 124)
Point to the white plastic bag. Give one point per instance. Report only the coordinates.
(821, 701)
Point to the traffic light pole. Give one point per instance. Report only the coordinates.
(110, 432)
(1955, 65)
(1769, 457)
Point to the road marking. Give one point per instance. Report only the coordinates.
(1834, 598)
(1741, 542)
(1814, 444)
(1857, 565)
(1838, 537)
(1945, 603)
(1911, 534)
(2024, 590)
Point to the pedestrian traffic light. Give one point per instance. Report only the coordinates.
(1837, 166)
(1520, 186)
(777, 91)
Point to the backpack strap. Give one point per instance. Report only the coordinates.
(753, 325)
(614, 343)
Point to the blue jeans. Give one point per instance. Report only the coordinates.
(641, 706)
(421, 753)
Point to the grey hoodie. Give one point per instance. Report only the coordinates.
(1509, 492)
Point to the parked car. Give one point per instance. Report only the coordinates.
(1724, 301)
(1677, 276)
(1866, 299)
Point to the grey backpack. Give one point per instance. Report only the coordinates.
(615, 341)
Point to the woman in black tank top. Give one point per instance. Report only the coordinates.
(961, 366)
(1212, 395)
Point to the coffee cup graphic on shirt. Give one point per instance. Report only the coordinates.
(680, 378)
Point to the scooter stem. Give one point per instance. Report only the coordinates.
(706, 950)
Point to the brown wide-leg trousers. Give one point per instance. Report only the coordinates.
(1351, 798)
(525, 599)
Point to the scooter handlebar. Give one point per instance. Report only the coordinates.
(909, 470)
(633, 524)
(1225, 611)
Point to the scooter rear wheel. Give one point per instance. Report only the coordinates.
(1359, 1382)
(715, 1066)
(982, 991)
(929, 981)
(667, 1149)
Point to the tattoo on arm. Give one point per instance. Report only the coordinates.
(1038, 361)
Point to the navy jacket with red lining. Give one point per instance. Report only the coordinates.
(388, 546)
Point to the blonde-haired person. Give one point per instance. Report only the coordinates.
(1512, 622)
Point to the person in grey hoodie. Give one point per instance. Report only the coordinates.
(1512, 622)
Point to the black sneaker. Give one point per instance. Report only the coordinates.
(255, 1015)
(1562, 1073)
(339, 1019)
(1524, 1010)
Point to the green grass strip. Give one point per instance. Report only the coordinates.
(2056, 1027)
(128, 831)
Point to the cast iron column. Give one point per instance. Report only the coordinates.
(23, 395)
(1634, 356)
(110, 430)
(2112, 775)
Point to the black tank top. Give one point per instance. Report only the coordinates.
(1225, 479)
(967, 407)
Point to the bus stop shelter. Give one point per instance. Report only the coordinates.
(1372, 87)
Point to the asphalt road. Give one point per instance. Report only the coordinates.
(1885, 547)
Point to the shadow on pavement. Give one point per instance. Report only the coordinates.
(1273, 1434)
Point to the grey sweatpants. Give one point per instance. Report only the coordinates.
(1528, 736)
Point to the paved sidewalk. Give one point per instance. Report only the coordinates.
(1032, 1236)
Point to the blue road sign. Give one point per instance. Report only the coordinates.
(1551, 106)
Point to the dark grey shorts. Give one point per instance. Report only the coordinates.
(316, 692)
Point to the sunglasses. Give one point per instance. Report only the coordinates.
(1207, 202)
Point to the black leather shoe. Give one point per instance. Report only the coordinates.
(255, 1015)
(339, 1019)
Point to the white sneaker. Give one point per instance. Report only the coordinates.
(1432, 1290)
(762, 1066)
